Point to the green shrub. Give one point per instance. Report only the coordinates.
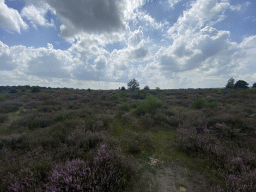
(198, 102)
(126, 106)
(211, 105)
(139, 95)
(219, 91)
(2, 98)
(148, 106)
(35, 89)
(122, 95)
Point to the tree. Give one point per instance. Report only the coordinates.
(230, 84)
(146, 88)
(123, 88)
(241, 84)
(254, 85)
(133, 85)
(35, 89)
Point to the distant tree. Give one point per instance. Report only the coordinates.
(157, 88)
(241, 84)
(123, 88)
(230, 84)
(35, 89)
(146, 88)
(254, 85)
(133, 85)
(12, 90)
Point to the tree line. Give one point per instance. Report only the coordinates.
(239, 84)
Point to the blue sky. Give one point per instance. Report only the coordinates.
(102, 44)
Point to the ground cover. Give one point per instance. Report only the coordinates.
(150, 140)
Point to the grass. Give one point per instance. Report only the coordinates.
(96, 131)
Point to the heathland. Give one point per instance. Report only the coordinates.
(124, 140)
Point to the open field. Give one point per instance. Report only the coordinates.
(154, 140)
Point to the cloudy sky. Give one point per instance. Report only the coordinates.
(102, 44)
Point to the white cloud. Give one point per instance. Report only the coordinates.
(36, 15)
(100, 63)
(10, 19)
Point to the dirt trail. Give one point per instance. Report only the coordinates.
(174, 178)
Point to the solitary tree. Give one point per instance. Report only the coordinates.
(254, 85)
(146, 88)
(230, 84)
(123, 88)
(133, 85)
(241, 84)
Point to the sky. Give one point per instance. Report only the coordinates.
(103, 44)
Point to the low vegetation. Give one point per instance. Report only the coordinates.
(89, 140)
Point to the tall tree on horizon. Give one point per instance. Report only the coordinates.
(133, 85)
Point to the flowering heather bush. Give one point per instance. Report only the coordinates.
(13, 142)
(107, 172)
(238, 164)
(23, 182)
(9, 106)
(32, 104)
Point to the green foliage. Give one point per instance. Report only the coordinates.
(146, 88)
(157, 88)
(35, 89)
(211, 105)
(139, 95)
(230, 83)
(198, 102)
(126, 106)
(219, 91)
(2, 98)
(148, 106)
(122, 95)
(89, 90)
(133, 85)
(254, 85)
(248, 91)
(241, 84)
(123, 88)
(13, 91)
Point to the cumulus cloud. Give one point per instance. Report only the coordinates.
(196, 45)
(10, 19)
(89, 16)
(36, 15)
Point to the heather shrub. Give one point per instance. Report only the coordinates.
(9, 106)
(32, 121)
(32, 104)
(148, 106)
(3, 118)
(107, 172)
(146, 121)
(126, 106)
(13, 142)
(122, 95)
(48, 108)
(13, 91)
(139, 144)
(139, 95)
(22, 181)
